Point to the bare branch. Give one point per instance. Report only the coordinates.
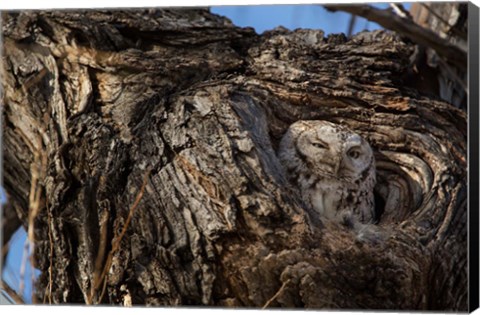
(351, 25)
(276, 294)
(418, 34)
(450, 27)
(116, 243)
(11, 293)
(400, 10)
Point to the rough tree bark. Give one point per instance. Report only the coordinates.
(141, 147)
(440, 31)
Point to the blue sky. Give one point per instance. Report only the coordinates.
(261, 18)
(265, 17)
(12, 270)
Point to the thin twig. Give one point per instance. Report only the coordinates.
(276, 295)
(11, 293)
(5, 249)
(103, 288)
(50, 268)
(400, 10)
(38, 170)
(351, 25)
(118, 239)
(405, 27)
(101, 253)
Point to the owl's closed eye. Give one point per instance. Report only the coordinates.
(333, 167)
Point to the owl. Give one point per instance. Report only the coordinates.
(334, 169)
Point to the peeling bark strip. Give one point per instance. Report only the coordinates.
(202, 105)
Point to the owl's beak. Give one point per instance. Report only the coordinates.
(337, 167)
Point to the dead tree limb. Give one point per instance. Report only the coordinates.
(406, 27)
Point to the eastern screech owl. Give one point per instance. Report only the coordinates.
(334, 169)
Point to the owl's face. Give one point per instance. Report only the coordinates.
(331, 150)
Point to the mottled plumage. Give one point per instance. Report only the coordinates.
(333, 167)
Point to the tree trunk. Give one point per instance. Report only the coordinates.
(140, 151)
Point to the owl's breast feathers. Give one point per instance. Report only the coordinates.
(333, 168)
